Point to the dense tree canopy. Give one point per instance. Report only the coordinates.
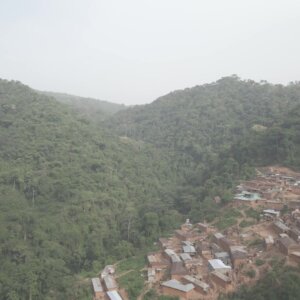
(76, 193)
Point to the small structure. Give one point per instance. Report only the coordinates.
(294, 233)
(97, 288)
(223, 256)
(200, 286)
(222, 241)
(168, 253)
(174, 288)
(225, 244)
(203, 227)
(164, 243)
(295, 256)
(152, 260)
(218, 265)
(178, 270)
(187, 225)
(204, 250)
(238, 255)
(247, 196)
(269, 242)
(296, 214)
(151, 274)
(221, 280)
(216, 237)
(271, 213)
(110, 283)
(184, 235)
(108, 270)
(189, 249)
(185, 257)
(280, 227)
(114, 295)
(287, 245)
(215, 248)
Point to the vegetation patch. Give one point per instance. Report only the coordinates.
(133, 282)
(135, 263)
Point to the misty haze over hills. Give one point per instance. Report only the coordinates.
(89, 182)
(154, 174)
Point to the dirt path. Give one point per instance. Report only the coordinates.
(124, 273)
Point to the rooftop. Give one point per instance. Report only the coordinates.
(218, 264)
(219, 235)
(175, 284)
(189, 249)
(246, 196)
(114, 295)
(185, 256)
(197, 282)
(221, 276)
(97, 286)
(281, 225)
(110, 282)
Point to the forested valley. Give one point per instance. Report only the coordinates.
(82, 187)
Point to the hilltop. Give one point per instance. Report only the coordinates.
(85, 183)
(94, 109)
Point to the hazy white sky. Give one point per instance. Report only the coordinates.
(134, 51)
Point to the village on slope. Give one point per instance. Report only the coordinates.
(199, 262)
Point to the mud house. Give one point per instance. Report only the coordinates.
(269, 242)
(113, 295)
(218, 265)
(110, 283)
(221, 280)
(280, 227)
(97, 288)
(200, 286)
(223, 256)
(294, 233)
(177, 268)
(286, 245)
(238, 255)
(175, 288)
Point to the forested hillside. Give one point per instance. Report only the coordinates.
(94, 109)
(72, 197)
(208, 130)
(278, 144)
(76, 193)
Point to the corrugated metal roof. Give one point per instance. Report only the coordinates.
(110, 282)
(114, 295)
(97, 286)
(196, 282)
(170, 252)
(189, 249)
(175, 258)
(220, 255)
(281, 225)
(217, 264)
(175, 284)
(185, 256)
(219, 235)
(221, 276)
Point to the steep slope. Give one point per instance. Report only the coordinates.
(278, 144)
(208, 117)
(201, 127)
(95, 109)
(72, 196)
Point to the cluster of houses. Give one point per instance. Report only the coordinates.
(199, 262)
(196, 263)
(105, 286)
(273, 188)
